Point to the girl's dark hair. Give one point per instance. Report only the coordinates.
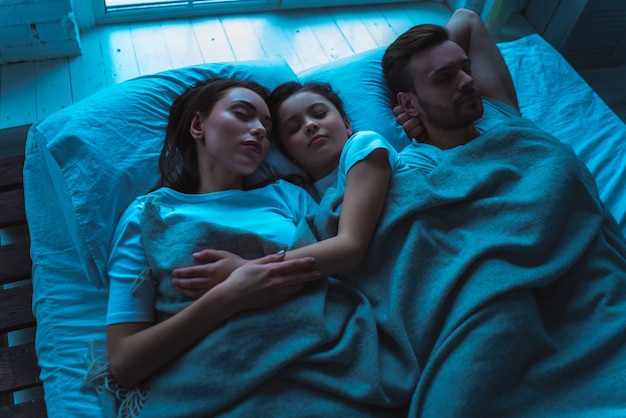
(288, 89)
(396, 58)
(178, 162)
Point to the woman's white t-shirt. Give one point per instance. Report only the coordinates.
(272, 212)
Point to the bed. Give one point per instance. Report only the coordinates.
(85, 163)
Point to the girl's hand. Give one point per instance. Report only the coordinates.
(412, 125)
(268, 281)
(195, 281)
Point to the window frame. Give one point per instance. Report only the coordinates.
(101, 17)
(137, 14)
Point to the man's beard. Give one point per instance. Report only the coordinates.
(449, 117)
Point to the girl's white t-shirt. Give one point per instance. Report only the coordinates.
(357, 148)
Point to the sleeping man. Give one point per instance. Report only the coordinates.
(510, 258)
(439, 76)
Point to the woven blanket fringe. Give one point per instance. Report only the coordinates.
(99, 377)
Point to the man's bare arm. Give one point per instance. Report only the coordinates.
(489, 69)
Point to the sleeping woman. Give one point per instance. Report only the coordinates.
(220, 354)
(216, 135)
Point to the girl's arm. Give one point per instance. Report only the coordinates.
(366, 190)
(137, 350)
(367, 183)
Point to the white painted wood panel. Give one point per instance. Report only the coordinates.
(181, 43)
(242, 38)
(52, 86)
(212, 40)
(18, 96)
(118, 53)
(87, 71)
(268, 28)
(150, 48)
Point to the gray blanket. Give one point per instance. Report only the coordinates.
(494, 286)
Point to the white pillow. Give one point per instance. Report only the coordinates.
(103, 151)
(360, 83)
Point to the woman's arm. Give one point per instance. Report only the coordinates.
(138, 350)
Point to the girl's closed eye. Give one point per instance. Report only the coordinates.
(292, 128)
(319, 111)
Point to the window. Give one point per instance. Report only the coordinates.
(108, 11)
(132, 10)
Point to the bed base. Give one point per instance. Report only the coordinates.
(18, 361)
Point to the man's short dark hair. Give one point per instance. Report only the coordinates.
(398, 54)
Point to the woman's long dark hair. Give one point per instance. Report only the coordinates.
(178, 162)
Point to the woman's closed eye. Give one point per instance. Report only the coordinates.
(245, 115)
(241, 114)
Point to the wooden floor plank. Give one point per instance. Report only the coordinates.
(87, 71)
(402, 19)
(150, 48)
(52, 81)
(378, 27)
(212, 40)
(269, 31)
(353, 29)
(303, 39)
(242, 38)
(18, 94)
(118, 53)
(335, 45)
(182, 44)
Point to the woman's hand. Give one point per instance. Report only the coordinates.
(412, 125)
(195, 281)
(268, 281)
